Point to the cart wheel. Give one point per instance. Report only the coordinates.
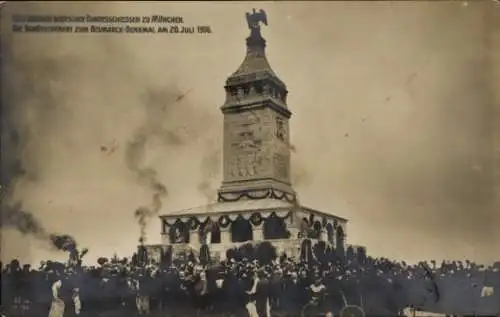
(352, 311)
(305, 309)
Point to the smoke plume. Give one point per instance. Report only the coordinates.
(17, 141)
(14, 216)
(135, 154)
(159, 108)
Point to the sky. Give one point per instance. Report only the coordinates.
(394, 120)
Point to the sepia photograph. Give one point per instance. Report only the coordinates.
(253, 159)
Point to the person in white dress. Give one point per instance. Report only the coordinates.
(57, 306)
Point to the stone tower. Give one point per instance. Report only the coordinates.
(256, 201)
(256, 146)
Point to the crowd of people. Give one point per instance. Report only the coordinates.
(251, 281)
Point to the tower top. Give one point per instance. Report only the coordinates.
(255, 61)
(255, 40)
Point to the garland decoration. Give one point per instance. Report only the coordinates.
(256, 219)
(256, 194)
(224, 221)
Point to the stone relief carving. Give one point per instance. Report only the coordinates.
(246, 146)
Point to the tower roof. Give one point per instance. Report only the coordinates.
(255, 61)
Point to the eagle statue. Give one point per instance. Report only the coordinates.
(255, 17)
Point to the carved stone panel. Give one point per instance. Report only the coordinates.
(245, 154)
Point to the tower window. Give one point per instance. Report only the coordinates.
(280, 129)
(233, 91)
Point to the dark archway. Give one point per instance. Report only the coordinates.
(274, 227)
(330, 233)
(317, 230)
(241, 230)
(340, 238)
(216, 238)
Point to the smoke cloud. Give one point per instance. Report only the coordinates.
(158, 104)
(13, 216)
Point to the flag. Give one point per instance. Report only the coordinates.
(487, 291)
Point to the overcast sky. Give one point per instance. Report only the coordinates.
(393, 119)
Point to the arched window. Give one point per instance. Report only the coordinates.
(241, 230)
(274, 227)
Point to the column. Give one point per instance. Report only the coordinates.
(225, 236)
(334, 238)
(293, 226)
(194, 238)
(258, 233)
(324, 235)
(294, 232)
(225, 242)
